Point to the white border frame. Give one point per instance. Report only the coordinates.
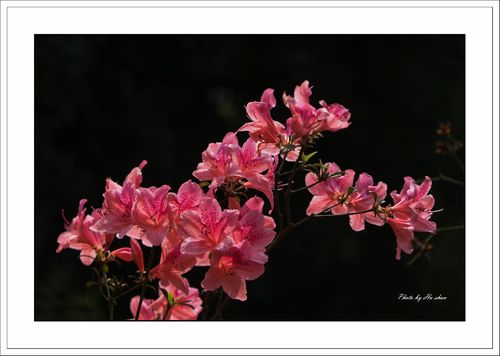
(19, 334)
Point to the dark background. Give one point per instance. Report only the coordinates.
(105, 103)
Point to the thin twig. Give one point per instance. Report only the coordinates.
(306, 187)
(428, 239)
(144, 282)
(444, 178)
(277, 196)
(207, 302)
(109, 298)
(220, 307)
(288, 198)
(127, 291)
(459, 162)
(347, 214)
(334, 175)
(292, 227)
(451, 228)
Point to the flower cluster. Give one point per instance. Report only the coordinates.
(305, 123)
(221, 223)
(363, 201)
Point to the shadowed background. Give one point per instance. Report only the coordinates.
(104, 103)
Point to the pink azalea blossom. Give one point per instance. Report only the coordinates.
(411, 212)
(343, 198)
(414, 203)
(254, 226)
(226, 162)
(362, 199)
(217, 161)
(207, 227)
(306, 120)
(150, 213)
(118, 202)
(184, 306)
(188, 197)
(172, 266)
(147, 312)
(129, 254)
(79, 236)
(270, 135)
(403, 230)
(231, 265)
(249, 160)
(331, 194)
(263, 128)
(333, 117)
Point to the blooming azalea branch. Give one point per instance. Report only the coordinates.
(231, 237)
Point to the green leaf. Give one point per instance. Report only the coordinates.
(336, 174)
(204, 184)
(306, 158)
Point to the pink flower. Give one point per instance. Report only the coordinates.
(217, 161)
(231, 265)
(188, 197)
(227, 163)
(129, 254)
(414, 203)
(306, 120)
(178, 306)
(403, 230)
(78, 235)
(253, 226)
(118, 202)
(338, 193)
(147, 312)
(249, 160)
(263, 128)
(362, 199)
(331, 194)
(411, 212)
(150, 213)
(206, 227)
(269, 135)
(173, 265)
(333, 117)
(185, 306)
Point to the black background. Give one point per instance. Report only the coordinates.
(104, 103)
